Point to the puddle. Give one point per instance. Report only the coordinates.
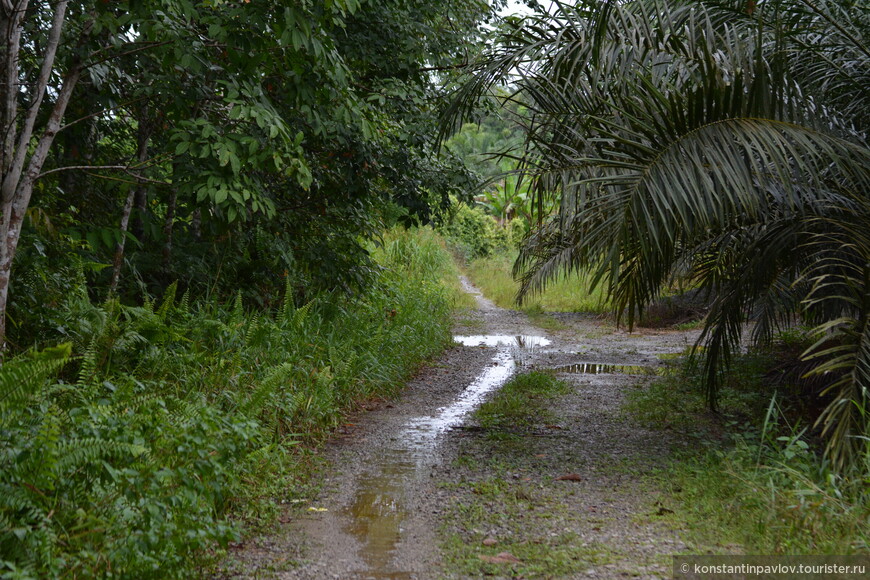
(379, 509)
(604, 369)
(521, 341)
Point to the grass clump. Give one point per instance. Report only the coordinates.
(569, 293)
(752, 478)
(521, 402)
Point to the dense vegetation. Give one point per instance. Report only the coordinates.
(194, 277)
(751, 475)
(175, 421)
(719, 144)
(217, 144)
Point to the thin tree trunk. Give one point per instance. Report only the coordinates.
(140, 204)
(10, 26)
(196, 224)
(17, 183)
(168, 224)
(142, 136)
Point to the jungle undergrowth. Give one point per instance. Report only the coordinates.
(157, 434)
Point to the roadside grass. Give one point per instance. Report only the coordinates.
(157, 434)
(566, 294)
(751, 479)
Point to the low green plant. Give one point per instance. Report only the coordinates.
(758, 481)
(521, 402)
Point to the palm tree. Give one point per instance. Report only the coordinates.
(723, 143)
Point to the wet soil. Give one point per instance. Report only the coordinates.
(401, 475)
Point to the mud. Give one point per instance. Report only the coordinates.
(381, 512)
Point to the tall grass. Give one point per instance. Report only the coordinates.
(752, 479)
(569, 293)
(175, 420)
(424, 254)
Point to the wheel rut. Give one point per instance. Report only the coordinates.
(382, 506)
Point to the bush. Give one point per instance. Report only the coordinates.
(472, 233)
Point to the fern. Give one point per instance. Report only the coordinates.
(22, 377)
(300, 316)
(238, 313)
(75, 453)
(288, 307)
(184, 305)
(168, 302)
(89, 365)
(267, 387)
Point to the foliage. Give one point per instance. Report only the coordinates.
(718, 143)
(571, 293)
(173, 420)
(753, 474)
(472, 233)
(220, 144)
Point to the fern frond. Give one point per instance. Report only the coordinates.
(275, 378)
(184, 303)
(237, 314)
(300, 316)
(168, 301)
(88, 369)
(75, 453)
(22, 377)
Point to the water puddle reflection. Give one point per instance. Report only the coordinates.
(379, 509)
(604, 369)
(521, 341)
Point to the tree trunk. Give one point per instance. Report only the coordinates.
(140, 204)
(143, 134)
(168, 224)
(22, 161)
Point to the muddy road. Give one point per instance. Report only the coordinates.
(399, 498)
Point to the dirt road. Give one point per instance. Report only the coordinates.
(415, 491)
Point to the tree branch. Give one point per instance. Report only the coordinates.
(101, 111)
(81, 167)
(126, 52)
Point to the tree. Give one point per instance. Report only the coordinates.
(723, 143)
(223, 133)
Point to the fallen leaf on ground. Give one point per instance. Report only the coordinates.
(317, 509)
(570, 477)
(490, 542)
(501, 558)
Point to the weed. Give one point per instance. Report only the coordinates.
(521, 402)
